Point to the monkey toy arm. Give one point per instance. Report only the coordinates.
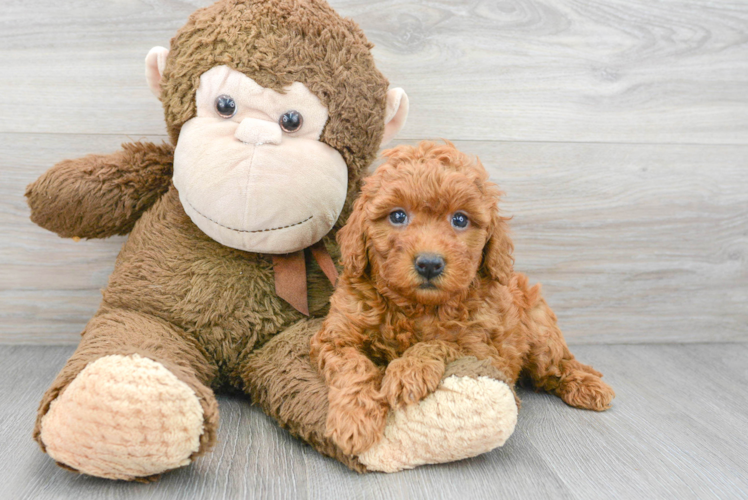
(98, 196)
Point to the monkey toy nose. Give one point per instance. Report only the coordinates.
(258, 132)
(429, 265)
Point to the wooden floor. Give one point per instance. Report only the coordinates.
(677, 430)
(617, 129)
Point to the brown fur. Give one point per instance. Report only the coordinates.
(276, 43)
(176, 296)
(386, 341)
(98, 196)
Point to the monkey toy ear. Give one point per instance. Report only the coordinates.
(395, 115)
(155, 62)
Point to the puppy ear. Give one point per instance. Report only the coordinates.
(498, 262)
(352, 240)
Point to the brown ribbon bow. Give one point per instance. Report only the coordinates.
(290, 275)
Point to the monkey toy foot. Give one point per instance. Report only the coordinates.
(124, 417)
(468, 414)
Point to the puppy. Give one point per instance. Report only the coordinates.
(428, 278)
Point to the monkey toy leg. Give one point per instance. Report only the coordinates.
(472, 411)
(132, 402)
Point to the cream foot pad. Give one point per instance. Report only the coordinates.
(124, 417)
(465, 417)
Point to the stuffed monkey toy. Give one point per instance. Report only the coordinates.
(274, 109)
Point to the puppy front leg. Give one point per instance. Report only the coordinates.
(417, 373)
(552, 367)
(357, 413)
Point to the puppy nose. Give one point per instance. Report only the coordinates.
(257, 132)
(429, 265)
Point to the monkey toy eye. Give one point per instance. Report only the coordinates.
(225, 106)
(398, 217)
(291, 121)
(460, 220)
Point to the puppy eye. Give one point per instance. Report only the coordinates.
(225, 106)
(398, 217)
(291, 121)
(460, 220)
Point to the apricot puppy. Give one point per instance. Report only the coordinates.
(428, 278)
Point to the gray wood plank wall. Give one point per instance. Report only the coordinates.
(617, 129)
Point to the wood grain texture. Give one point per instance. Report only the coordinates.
(49, 286)
(676, 430)
(643, 238)
(579, 71)
(633, 243)
(619, 131)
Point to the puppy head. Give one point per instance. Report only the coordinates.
(426, 225)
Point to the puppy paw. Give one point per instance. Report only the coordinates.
(354, 427)
(409, 380)
(587, 391)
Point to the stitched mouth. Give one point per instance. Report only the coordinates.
(250, 230)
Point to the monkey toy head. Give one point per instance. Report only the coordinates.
(275, 108)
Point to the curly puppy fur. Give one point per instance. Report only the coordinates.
(391, 330)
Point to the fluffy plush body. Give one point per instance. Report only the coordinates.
(395, 323)
(184, 315)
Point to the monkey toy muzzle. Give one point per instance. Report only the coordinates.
(250, 169)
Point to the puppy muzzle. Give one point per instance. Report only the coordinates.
(429, 265)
